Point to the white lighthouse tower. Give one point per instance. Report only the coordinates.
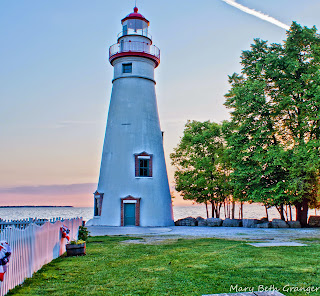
(133, 185)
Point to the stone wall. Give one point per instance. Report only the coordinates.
(247, 223)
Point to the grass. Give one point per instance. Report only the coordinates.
(185, 267)
(310, 239)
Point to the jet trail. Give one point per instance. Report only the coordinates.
(258, 14)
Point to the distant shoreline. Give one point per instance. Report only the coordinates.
(36, 206)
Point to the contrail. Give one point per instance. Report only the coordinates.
(258, 14)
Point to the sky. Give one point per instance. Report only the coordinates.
(55, 81)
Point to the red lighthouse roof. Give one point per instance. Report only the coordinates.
(135, 15)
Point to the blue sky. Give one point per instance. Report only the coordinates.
(55, 81)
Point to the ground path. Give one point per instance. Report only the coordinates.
(267, 236)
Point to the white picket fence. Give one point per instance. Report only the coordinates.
(23, 223)
(34, 247)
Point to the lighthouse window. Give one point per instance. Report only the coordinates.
(98, 197)
(144, 167)
(125, 30)
(127, 68)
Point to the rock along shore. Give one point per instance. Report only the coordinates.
(314, 221)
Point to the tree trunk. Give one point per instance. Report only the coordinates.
(212, 209)
(218, 208)
(207, 211)
(281, 210)
(290, 211)
(286, 212)
(233, 209)
(298, 210)
(228, 207)
(267, 214)
(302, 212)
(241, 210)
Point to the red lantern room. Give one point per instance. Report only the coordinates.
(134, 39)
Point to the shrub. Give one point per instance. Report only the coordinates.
(83, 233)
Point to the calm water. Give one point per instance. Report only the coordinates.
(250, 211)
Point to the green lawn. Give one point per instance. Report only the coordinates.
(185, 267)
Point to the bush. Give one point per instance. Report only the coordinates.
(83, 233)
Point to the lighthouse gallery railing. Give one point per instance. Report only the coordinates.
(134, 46)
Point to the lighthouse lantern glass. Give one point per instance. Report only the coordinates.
(135, 27)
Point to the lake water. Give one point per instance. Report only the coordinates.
(251, 211)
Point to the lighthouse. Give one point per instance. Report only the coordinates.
(133, 188)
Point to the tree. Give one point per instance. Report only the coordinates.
(201, 172)
(274, 132)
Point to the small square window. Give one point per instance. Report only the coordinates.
(127, 68)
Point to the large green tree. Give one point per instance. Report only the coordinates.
(201, 168)
(274, 132)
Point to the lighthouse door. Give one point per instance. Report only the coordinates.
(129, 214)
